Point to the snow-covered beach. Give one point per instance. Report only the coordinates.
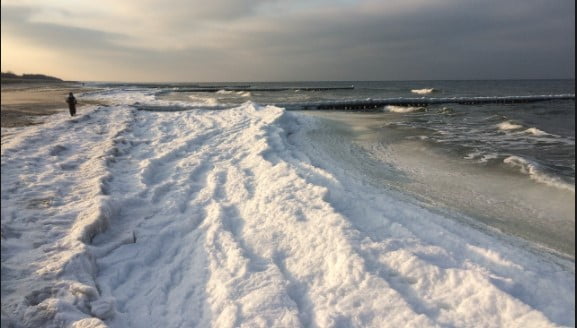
(234, 217)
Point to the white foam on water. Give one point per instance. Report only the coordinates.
(487, 157)
(423, 91)
(481, 157)
(532, 170)
(244, 93)
(536, 132)
(404, 109)
(421, 137)
(447, 110)
(203, 101)
(507, 126)
(474, 155)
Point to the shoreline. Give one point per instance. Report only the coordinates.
(24, 104)
(483, 195)
(241, 198)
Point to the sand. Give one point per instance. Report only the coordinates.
(26, 103)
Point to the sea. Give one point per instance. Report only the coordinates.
(499, 155)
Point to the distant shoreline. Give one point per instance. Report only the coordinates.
(9, 77)
(11, 80)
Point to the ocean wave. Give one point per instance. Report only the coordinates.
(204, 101)
(532, 170)
(152, 108)
(423, 91)
(404, 109)
(224, 92)
(507, 126)
(536, 132)
(244, 93)
(419, 137)
(482, 157)
(446, 110)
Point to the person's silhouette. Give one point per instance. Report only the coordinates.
(71, 104)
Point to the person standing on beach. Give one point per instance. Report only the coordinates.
(71, 104)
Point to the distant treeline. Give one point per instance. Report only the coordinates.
(9, 76)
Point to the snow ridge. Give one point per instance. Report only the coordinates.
(41, 188)
(235, 217)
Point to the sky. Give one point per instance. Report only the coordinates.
(288, 40)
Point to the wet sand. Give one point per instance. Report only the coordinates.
(26, 103)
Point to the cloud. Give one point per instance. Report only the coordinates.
(280, 40)
(16, 24)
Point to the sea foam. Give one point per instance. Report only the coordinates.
(208, 101)
(507, 126)
(536, 132)
(404, 109)
(536, 174)
(423, 91)
(244, 93)
(482, 157)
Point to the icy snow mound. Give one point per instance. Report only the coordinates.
(232, 218)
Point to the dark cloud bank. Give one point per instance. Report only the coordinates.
(460, 40)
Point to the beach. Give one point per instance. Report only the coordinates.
(26, 103)
(164, 207)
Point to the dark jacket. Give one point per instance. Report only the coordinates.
(71, 100)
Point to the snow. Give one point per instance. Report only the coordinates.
(122, 217)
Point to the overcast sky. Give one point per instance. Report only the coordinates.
(289, 40)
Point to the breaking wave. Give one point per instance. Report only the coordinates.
(423, 91)
(404, 109)
(507, 126)
(446, 110)
(536, 132)
(204, 100)
(531, 169)
(244, 93)
(482, 157)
